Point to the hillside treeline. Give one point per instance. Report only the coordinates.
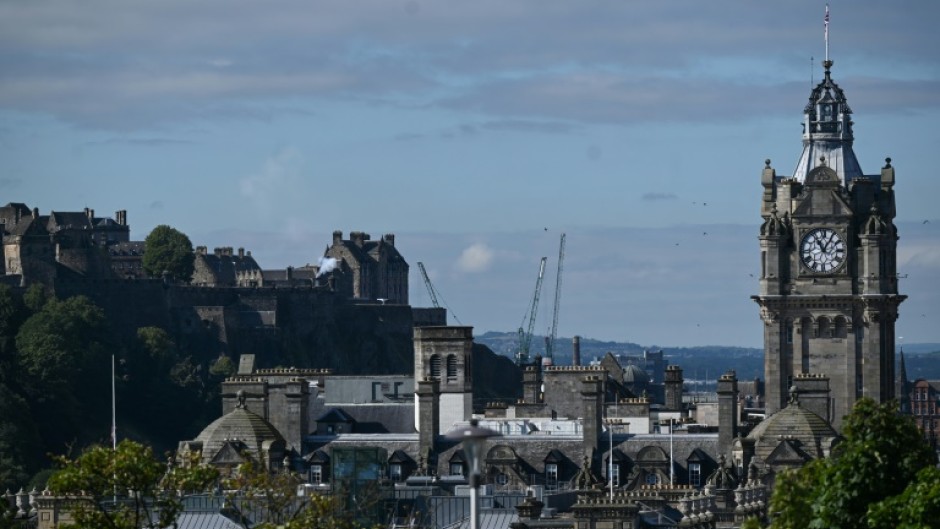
(55, 383)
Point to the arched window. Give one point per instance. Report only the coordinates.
(824, 329)
(840, 328)
(451, 367)
(435, 366)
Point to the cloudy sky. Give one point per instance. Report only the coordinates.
(478, 132)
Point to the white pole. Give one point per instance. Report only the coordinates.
(610, 461)
(671, 464)
(826, 25)
(474, 503)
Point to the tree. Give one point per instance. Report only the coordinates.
(168, 250)
(145, 489)
(269, 500)
(879, 459)
(918, 506)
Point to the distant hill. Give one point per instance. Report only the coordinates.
(701, 363)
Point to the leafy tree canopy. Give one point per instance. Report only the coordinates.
(264, 500)
(168, 250)
(145, 488)
(878, 462)
(56, 342)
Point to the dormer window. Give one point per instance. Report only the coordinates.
(695, 474)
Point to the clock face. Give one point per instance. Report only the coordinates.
(822, 250)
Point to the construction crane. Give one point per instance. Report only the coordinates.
(550, 345)
(525, 334)
(434, 293)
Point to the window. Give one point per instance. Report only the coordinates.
(451, 367)
(435, 366)
(551, 473)
(614, 474)
(695, 474)
(395, 472)
(316, 474)
(456, 469)
(651, 479)
(502, 478)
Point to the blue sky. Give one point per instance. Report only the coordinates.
(468, 128)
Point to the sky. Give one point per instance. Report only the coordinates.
(477, 132)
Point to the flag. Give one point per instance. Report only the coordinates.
(826, 22)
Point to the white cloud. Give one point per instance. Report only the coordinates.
(475, 258)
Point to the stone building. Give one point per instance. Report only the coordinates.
(225, 268)
(828, 252)
(40, 248)
(368, 269)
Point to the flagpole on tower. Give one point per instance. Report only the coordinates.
(826, 26)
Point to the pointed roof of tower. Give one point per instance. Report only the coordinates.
(827, 131)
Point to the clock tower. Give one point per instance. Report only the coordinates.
(828, 252)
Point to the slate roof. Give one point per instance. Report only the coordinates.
(68, 220)
(130, 248)
(796, 424)
(29, 226)
(203, 520)
(241, 424)
(336, 415)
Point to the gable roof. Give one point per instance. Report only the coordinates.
(336, 415)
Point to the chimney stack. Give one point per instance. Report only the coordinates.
(337, 237)
(576, 351)
(241, 253)
(673, 387)
(727, 412)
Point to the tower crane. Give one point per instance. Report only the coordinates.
(434, 293)
(525, 335)
(550, 346)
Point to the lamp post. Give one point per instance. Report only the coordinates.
(473, 438)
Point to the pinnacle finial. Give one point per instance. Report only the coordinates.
(767, 163)
(888, 162)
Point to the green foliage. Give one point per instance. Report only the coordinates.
(61, 339)
(270, 500)
(917, 507)
(144, 487)
(880, 457)
(168, 250)
(751, 523)
(793, 496)
(65, 371)
(18, 440)
(35, 297)
(223, 367)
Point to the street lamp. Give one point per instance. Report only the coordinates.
(473, 438)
